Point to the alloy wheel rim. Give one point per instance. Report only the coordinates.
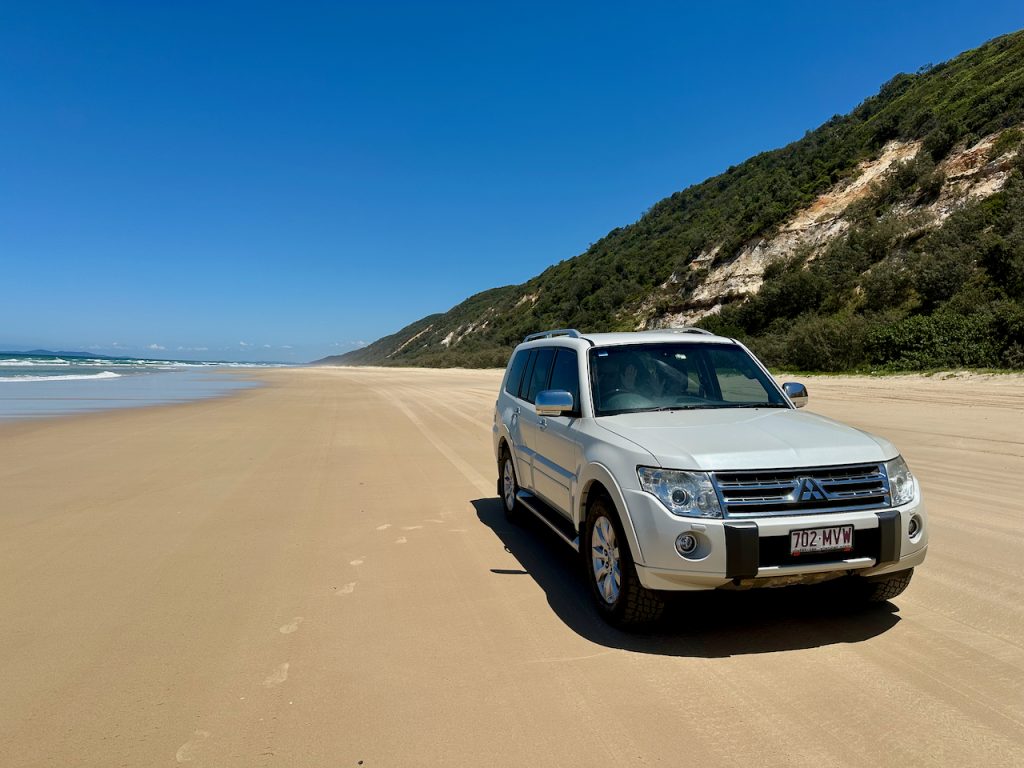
(509, 484)
(605, 560)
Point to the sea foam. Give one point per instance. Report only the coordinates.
(68, 377)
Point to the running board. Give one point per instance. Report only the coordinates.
(556, 522)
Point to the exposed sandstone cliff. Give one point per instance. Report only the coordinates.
(968, 174)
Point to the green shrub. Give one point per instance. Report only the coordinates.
(887, 285)
(937, 144)
(935, 341)
(830, 343)
(1008, 140)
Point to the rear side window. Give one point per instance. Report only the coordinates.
(565, 375)
(539, 374)
(524, 385)
(515, 372)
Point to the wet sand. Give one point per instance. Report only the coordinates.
(318, 573)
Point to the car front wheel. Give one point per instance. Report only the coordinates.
(878, 589)
(620, 597)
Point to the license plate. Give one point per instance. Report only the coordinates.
(837, 538)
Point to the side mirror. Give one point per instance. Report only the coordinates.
(553, 402)
(796, 392)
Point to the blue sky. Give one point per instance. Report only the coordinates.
(281, 181)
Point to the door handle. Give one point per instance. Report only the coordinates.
(516, 410)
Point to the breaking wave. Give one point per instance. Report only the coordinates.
(67, 377)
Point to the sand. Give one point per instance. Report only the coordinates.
(318, 573)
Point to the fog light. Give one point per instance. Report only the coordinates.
(686, 544)
(914, 527)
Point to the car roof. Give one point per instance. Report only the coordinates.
(653, 337)
(660, 336)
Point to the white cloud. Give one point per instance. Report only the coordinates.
(244, 344)
(156, 347)
(286, 346)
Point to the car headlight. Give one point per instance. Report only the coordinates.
(688, 494)
(902, 488)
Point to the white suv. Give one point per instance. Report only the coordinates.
(673, 461)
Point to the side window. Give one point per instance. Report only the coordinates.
(524, 385)
(539, 375)
(736, 378)
(515, 372)
(565, 375)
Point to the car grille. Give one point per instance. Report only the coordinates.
(758, 493)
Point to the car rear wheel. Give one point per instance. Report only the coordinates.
(509, 487)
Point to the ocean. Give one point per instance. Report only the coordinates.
(36, 385)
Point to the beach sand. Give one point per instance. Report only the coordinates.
(318, 573)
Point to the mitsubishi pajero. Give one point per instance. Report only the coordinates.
(673, 461)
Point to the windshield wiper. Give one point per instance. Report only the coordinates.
(749, 405)
(703, 407)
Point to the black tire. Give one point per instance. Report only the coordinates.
(633, 605)
(509, 502)
(878, 589)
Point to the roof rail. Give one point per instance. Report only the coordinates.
(572, 333)
(683, 329)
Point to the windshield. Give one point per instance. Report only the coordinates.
(678, 376)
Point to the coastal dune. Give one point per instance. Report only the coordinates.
(317, 572)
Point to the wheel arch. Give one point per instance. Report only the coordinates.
(596, 480)
(503, 438)
(505, 444)
(500, 435)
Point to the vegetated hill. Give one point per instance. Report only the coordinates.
(890, 237)
(384, 348)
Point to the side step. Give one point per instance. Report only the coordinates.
(552, 519)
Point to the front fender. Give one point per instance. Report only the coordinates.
(598, 473)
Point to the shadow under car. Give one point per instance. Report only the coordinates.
(712, 624)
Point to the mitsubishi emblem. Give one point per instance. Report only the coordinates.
(810, 490)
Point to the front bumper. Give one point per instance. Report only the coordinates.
(755, 552)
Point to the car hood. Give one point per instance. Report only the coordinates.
(747, 438)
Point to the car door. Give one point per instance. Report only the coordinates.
(535, 381)
(555, 446)
(511, 407)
